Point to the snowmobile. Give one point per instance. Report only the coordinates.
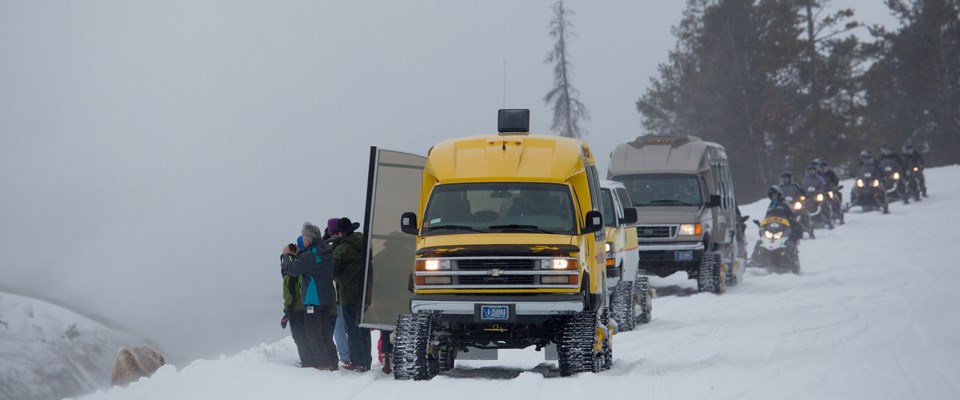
(818, 208)
(893, 185)
(867, 193)
(912, 176)
(834, 200)
(774, 250)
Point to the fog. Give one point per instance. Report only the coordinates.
(155, 156)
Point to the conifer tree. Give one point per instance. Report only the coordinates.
(568, 111)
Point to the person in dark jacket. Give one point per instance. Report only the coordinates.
(293, 306)
(780, 208)
(868, 164)
(348, 273)
(314, 268)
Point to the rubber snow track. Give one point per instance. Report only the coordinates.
(873, 315)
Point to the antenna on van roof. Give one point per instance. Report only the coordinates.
(504, 81)
(513, 121)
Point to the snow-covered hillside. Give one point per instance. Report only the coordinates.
(49, 352)
(872, 316)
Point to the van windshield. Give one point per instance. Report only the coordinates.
(663, 189)
(500, 207)
(609, 211)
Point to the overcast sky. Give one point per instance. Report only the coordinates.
(155, 156)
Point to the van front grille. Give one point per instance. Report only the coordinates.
(657, 231)
(493, 263)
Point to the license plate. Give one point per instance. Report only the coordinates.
(683, 255)
(495, 313)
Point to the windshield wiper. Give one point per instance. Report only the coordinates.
(452, 228)
(533, 228)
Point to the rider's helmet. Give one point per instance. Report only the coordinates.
(786, 178)
(823, 167)
(774, 193)
(866, 156)
(811, 170)
(907, 148)
(886, 149)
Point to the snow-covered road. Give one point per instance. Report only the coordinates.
(872, 316)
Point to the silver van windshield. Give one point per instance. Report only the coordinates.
(663, 189)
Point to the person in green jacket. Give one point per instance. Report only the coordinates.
(348, 274)
(293, 306)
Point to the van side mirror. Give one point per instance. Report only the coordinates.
(594, 222)
(714, 201)
(630, 215)
(408, 223)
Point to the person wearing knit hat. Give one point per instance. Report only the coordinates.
(312, 266)
(348, 274)
(340, 330)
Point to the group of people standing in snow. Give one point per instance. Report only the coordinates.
(323, 296)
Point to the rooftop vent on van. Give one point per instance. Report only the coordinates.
(513, 121)
(663, 140)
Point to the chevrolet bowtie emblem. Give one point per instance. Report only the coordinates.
(495, 272)
(538, 249)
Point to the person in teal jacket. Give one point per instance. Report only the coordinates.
(314, 267)
(293, 306)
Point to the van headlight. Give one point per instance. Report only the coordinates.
(896, 175)
(819, 197)
(607, 247)
(433, 264)
(859, 182)
(690, 229)
(876, 183)
(558, 263)
(916, 169)
(830, 193)
(798, 205)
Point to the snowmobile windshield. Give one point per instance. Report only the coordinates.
(663, 189)
(500, 207)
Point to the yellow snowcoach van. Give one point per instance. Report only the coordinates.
(628, 291)
(683, 192)
(509, 252)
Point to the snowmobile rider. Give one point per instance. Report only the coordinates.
(868, 164)
(812, 179)
(789, 189)
(889, 154)
(833, 185)
(912, 159)
(780, 208)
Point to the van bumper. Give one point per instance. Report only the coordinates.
(543, 304)
(663, 259)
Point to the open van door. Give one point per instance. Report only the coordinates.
(393, 187)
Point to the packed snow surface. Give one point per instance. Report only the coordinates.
(873, 315)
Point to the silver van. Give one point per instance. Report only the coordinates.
(687, 215)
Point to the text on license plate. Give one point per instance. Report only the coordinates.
(495, 313)
(683, 255)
